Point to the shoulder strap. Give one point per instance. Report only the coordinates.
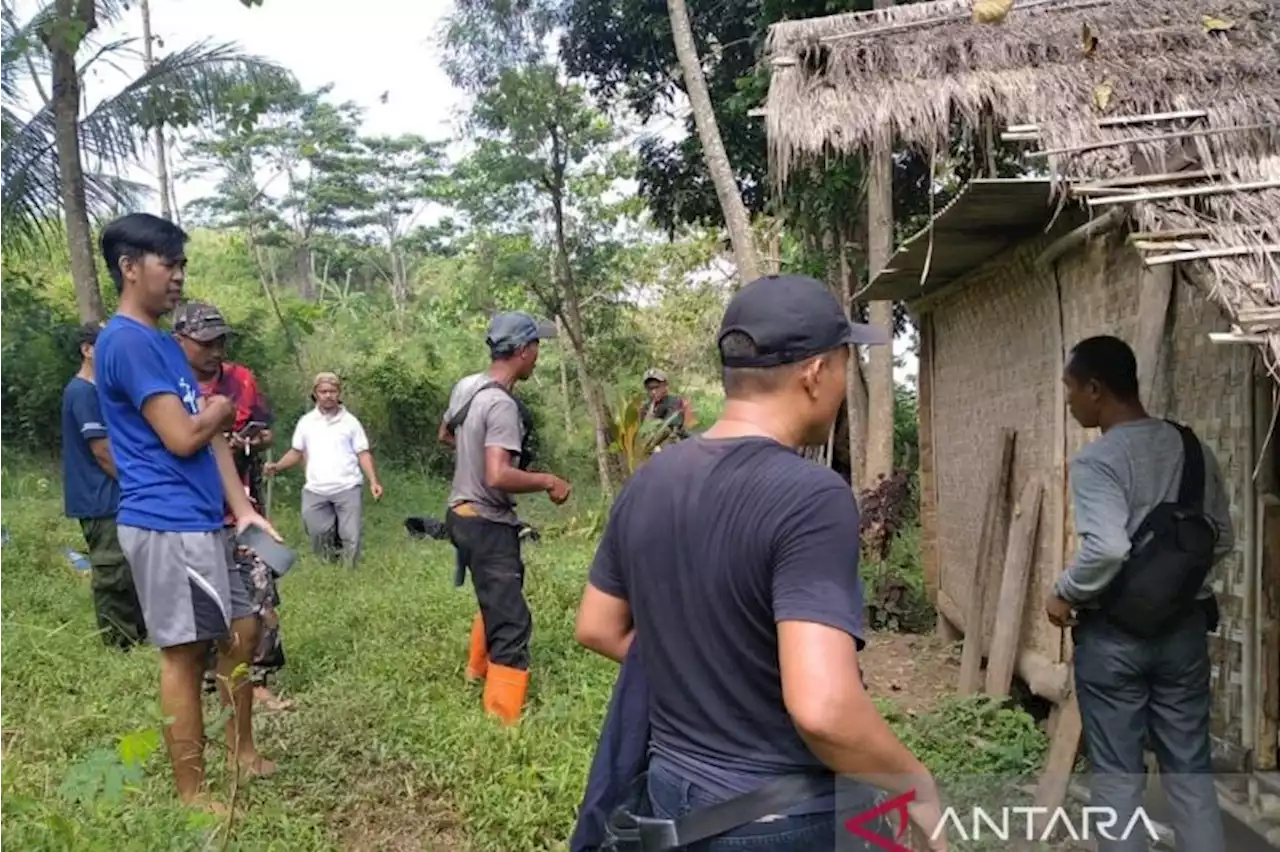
(457, 419)
(776, 796)
(1191, 489)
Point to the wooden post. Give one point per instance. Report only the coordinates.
(1013, 589)
(1155, 295)
(1055, 779)
(988, 547)
(928, 463)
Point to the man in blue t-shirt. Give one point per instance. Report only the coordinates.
(735, 560)
(175, 471)
(91, 496)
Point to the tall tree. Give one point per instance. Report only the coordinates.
(149, 43)
(544, 149)
(542, 163)
(62, 34)
(399, 176)
(45, 150)
(880, 397)
(717, 161)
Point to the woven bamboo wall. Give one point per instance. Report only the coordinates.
(1209, 386)
(996, 363)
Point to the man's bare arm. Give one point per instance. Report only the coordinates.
(182, 433)
(442, 434)
(288, 460)
(102, 455)
(823, 693)
(604, 624)
(366, 464)
(499, 473)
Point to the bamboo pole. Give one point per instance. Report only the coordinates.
(1186, 192)
(1171, 234)
(1210, 254)
(1124, 120)
(1079, 236)
(1145, 180)
(1046, 5)
(1155, 137)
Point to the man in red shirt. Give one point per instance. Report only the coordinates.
(202, 333)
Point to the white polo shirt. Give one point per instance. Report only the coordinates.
(332, 446)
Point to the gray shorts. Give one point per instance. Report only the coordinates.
(188, 583)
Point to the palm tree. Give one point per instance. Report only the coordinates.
(46, 147)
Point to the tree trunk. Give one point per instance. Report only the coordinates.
(62, 35)
(855, 384)
(880, 358)
(571, 312)
(564, 385)
(704, 117)
(592, 393)
(162, 162)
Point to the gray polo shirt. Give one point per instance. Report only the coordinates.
(493, 421)
(1116, 481)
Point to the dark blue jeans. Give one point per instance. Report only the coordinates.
(672, 797)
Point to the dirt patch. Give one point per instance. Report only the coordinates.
(911, 670)
(387, 814)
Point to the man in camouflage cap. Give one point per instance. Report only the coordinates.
(664, 407)
(202, 332)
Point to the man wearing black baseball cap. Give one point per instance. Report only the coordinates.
(492, 433)
(736, 561)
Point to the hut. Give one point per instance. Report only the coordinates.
(1151, 212)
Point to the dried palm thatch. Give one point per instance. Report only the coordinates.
(1074, 74)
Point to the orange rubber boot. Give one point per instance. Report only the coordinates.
(478, 654)
(504, 693)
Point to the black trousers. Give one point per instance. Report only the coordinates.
(491, 551)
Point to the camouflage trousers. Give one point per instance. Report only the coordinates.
(268, 657)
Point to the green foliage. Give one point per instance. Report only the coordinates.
(39, 355)
(179, 90)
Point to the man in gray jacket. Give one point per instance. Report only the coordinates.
(1133, 690)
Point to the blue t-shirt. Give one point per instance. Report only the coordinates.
(87, 491)
(712, 543)
(158, 490)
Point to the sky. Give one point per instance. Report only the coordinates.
(370, 50)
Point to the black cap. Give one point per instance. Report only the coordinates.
(790, 318)
(88, 333)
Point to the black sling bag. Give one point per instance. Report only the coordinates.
(1170, 556)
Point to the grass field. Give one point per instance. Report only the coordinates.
(387, 747)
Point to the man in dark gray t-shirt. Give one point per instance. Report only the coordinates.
(490, 430)
(733, 561)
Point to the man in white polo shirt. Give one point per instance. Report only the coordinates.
(336, 449)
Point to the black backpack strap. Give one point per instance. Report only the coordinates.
(458, 419)
(1191, 490)
(776, 796)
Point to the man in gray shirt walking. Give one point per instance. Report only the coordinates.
(1136, 690)
(491, 431)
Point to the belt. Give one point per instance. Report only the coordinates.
(465, 510)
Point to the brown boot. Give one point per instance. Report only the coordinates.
(478, 654)
(504, 692)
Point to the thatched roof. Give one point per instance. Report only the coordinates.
(1198, 69)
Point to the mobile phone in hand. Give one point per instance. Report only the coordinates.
(251, 429)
